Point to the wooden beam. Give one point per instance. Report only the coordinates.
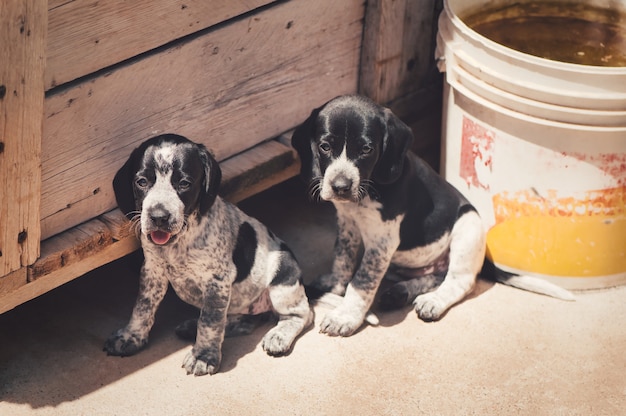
(63, 275)
(13, 281)
(251, 172)
(23, 26)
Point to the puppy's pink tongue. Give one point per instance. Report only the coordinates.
(160, 237)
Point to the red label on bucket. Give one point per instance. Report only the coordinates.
(476, 153)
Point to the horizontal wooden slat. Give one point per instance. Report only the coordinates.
(65, 274)
(70, 247)
(245, 172)
(13, 281)
(226, 89)
(118, 224)
(85, 35)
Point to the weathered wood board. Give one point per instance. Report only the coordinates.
(226, 88)
(22, 50)
(85, 36)
(71, 247)
(247, 174)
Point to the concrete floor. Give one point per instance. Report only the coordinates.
(501, 351)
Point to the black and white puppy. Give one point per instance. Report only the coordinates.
(355, 154)
(215, 257)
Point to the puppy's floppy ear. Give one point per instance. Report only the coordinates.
(396, 143)
(302, 140)
(212, 179)
(123, 183)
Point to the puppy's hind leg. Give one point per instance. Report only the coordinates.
(187, 330)
(237, 325)
(467, 253)
(404, 292)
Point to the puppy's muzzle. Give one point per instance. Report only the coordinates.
(159, 217)
(342, 187)
(160, 229)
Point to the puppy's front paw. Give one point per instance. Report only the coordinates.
(202, 363)
(124, 343)
(430, 306)
(276, 342)
(338, 323)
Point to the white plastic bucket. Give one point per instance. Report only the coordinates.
(539, 147)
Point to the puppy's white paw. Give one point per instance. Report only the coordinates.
(206, 362)
(276, 342)
(124, 343)
(339, 323)
(430, 306)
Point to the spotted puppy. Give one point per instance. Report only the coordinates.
(215, 257)
(355, 154)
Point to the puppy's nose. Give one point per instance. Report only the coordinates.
(159, 217)
(341, 185)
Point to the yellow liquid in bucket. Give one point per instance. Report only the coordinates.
(560, 246)
(564, 237)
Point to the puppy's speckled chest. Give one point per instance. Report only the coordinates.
(198, 258)
(189, 271)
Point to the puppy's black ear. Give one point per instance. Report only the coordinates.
(212, 179)
(395, 146)
(123, 184)
(302, 140)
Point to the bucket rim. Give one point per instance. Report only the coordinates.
(475, 97)
(615, 118)
(525, 57)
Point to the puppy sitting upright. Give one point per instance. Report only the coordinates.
(215, 256)
(355, 154)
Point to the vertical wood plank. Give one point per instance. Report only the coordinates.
(23, 27)
(397, 48)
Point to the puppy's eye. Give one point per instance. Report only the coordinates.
(367, 149)
(141, 182)
(325, 147)
(184, 184)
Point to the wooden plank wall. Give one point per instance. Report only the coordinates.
(230, 88)
(23, 26)
(85, 36)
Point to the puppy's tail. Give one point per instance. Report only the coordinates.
(331, 300)
(529, 283)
